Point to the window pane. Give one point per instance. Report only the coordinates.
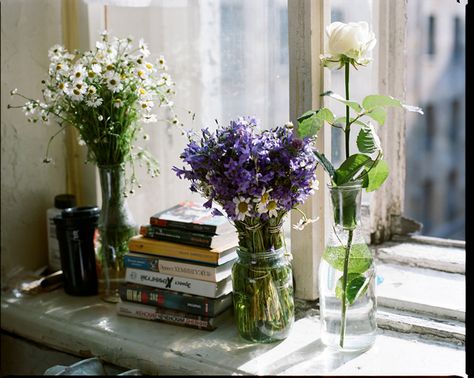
(361, 82)
(228, 58)
(435, 179)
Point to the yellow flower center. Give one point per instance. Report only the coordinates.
(142, 91)
(61, 85)
(76, 92)
(149, 66)
(265, 198)
(110, 67)
(272, 205)
(243, 207)
(113, 81)
(78, 74)
(91, 74)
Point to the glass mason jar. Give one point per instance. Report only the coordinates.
(263, 292)
(347, 277)
(116, 227)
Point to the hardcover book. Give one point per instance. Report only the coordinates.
(198, 239)
(192, 216)
(179, 284)
(181, 268)
(161, 248)
(193, 304)
(141, 311)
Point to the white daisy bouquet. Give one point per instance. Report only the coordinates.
(106, 94)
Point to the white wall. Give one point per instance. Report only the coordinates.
(28, 29)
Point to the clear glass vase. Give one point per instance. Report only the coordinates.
(116, 227)
(263, 289)
(347, 297)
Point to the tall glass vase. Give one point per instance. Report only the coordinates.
(263, 285)
(347, 277)
(116, 226)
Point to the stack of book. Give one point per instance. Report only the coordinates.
(178, 269)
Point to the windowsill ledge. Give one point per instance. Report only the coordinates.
(86, 327)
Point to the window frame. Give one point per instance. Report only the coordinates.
(307, 20)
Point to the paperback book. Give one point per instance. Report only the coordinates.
(181, 268)
(141, 244)
(198, 239)
(192, 216)
(173, 300)
(179, 284)
(141, 311)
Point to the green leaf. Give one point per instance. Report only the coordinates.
(352, 104)
(350, 167)
(342, 121)
(356, 287)
(311, 121)
(360, 258)
(367, 140)
(325, 163)
(378, 115)
(377, 175)
(371, 102)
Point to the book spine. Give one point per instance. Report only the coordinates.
(141, 262)
(179, 284)
(169, 316)
(181, 252)
(179, 236)
(198, 272)
(167, 299)
(206, 228)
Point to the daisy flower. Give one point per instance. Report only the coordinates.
(78, 73)
(242, 207)
(114, 83)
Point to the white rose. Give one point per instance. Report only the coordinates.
(352, 40)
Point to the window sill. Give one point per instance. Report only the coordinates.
(409, 342)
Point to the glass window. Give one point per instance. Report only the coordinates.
(431, 35)
(435, 142)
(430, 121)
(225, 65)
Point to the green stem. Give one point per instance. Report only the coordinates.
(344, 288)
(347, 130)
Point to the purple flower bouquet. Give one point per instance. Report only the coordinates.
(256, 177)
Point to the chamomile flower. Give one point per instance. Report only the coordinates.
(118, 103)
(96, 68)
(95, 102)
(143, 48)
(114, 83)
(78, 73)
(271, 208)
(161, 61)
(242, 207)
(146, 105)
(80, 86)
(264, 197)
(76, 94)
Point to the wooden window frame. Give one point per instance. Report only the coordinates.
(307, 20)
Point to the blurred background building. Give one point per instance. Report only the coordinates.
(435, 182)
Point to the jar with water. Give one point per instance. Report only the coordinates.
(347, 277)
